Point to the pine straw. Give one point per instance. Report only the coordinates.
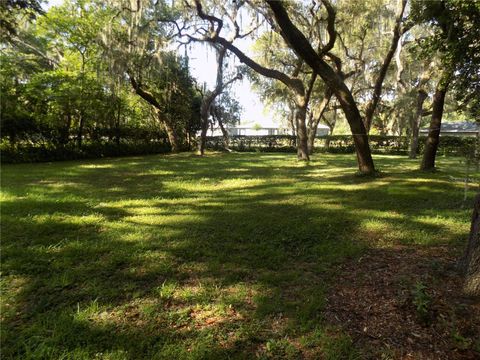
(376, 305)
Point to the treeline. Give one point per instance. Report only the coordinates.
(55, 108)
(91, 73)
(64, 95)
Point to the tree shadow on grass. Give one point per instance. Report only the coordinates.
(188, 267)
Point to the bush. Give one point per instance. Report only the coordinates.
(342, 144)
(25, 152)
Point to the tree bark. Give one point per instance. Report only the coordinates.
(300, 119)
(171, 133)
(291, 119)
(299, 43)
(226, 137)
(433, 139)
(150, 98)
(313, 125)
(415, 125)
(204, 111)
(469, 264)
(80, 129)
(65, 137)
(117, 122)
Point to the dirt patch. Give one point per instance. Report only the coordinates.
(406, 303)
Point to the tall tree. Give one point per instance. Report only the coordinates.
(210, 97)
(212, 32)
(455, 38)
(316, 60)
(136, 42)
(398, 30)
(226, 112)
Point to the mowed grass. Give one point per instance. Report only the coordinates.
(180, 257)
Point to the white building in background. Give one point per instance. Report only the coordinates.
(253, 129)
(465, 128)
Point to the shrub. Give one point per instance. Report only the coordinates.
(27, 152)
(342, 144)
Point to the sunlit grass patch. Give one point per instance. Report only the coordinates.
(226, 256)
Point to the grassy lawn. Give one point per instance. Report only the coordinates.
(227, 256)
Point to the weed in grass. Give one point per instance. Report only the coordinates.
(331, 343)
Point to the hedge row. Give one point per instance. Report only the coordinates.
(449, 145)
(44, 152)
(27, 152)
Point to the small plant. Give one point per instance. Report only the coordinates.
(421, 300)
(460, 341)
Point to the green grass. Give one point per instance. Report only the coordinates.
(227, 256)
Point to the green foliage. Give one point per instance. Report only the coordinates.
(343, 144)
(454, 24)
(227, 109)
(421, 301)
(12, 10)
(42, 152)
(59, 87)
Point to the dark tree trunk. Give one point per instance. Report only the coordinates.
(226, 137)
(377, 91)
(294, 84)
(117, 123)
(469, 264)
(204, 112)
(311, 133)
(302, 145)
(80, 130)
(66, 130)
(313, 123)
(431, 144)
(299, 43)
(415, 125)
(171, 133)
(150, 98)
(210, 98)
(291, 120)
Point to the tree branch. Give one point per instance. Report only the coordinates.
(377, 92)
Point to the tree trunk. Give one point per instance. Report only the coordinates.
(312, 132)
(226, 137)
(300, 120)
(431, 144)
(299, 43)
(469, 264)
(117, 123)
(377, 91)
(80, 130)
(313, 123)
(204, 112)
(210, 98)
(415, 125)
(171, 133)
(66, 130)
(291, 120)
(150, 98)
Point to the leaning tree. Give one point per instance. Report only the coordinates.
(220, 24)
(137, 42)
(210, 97)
